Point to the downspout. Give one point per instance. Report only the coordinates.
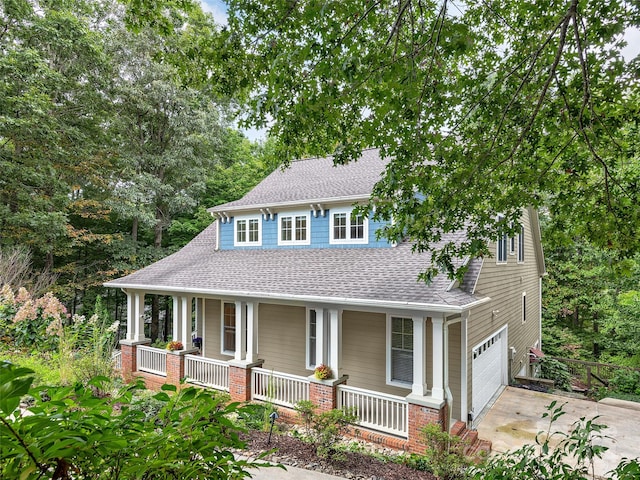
(217, 247)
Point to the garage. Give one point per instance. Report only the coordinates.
(488, 366)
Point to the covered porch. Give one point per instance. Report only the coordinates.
(241, 361)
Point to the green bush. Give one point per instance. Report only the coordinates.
(626, 381)
(552, 369)
(72, 434)
(326, 429)
(445, 453)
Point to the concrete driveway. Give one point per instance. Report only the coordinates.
(516, 417)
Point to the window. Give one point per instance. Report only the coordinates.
(312, 336)
(293, 229)
(228, 328)
(502, 249)
(401, 350)
(347, 227)
(247, 231)
(521, 245)
(524, 307)
(512, 244)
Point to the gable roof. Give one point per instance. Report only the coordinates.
(313, 180)
(373, 277)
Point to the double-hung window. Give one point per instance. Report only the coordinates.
(315, 330)
(400, 368)
(501, 247)
(247, 231)
(346, 226)
(228, 328)
(293, 229)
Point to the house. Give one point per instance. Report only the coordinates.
(288, 278)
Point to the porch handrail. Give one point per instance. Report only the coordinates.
(376, 410)
(278, 388)
(207, 372)
(151, 360)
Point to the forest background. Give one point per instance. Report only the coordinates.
(114, 141)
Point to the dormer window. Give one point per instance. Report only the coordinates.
(293, 229)
(247, 231)
(347, 227)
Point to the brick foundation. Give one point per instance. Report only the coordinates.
(240, 381)
(128, 352)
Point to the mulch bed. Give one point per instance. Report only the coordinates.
(292, 451)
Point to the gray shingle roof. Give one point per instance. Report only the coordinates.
(337, 275)
(313, 180)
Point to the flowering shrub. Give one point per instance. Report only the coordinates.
(31, 322)
(175, 345)
(323, 372)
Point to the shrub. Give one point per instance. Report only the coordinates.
(626, 381)
(445, 453)
(78, 435)
(326, 429)
(552, 369)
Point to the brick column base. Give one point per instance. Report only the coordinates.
(323, 393)
(128, 350)
(240, 380)
(422, 413)
(175, 365)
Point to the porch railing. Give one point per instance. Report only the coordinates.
(116, 358)
(207, 371)
(152, 360)
(278, 388)
(376, 410)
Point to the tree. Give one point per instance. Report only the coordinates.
(482, 107)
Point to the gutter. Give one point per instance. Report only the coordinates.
(345, 301)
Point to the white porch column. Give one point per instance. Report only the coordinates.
(185, 319)
(320, 337)
(130, 316)
(241, 332)
(252, 331)
(177, 319)
(437, 389)
(138, 317)
(464, 412)
(419, 386)
(335, 328)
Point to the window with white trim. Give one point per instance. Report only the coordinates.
(400, 350)
(512, 244)
(228, 328)
(312, 336)
(293, 229)
(501, 246)
(346, 226)
(247, 231)
(521, 245)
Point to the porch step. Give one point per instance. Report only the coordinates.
(476, 447)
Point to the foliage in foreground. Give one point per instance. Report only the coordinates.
(571, 459)
(68, 433)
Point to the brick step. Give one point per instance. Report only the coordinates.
(476, 447)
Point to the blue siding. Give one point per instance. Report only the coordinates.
(319, 235)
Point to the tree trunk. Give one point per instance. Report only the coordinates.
(134, 229)
(155, 313)
(167, 319)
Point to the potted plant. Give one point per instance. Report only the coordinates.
(323, 372)
(175, 345)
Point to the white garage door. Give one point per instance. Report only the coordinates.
(487, 367)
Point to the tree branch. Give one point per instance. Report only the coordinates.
(41, 467)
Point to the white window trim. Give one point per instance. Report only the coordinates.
(222, 350)
(348, 241)
(293, 216)
(504, 240)
(247, 243)
(395, 383)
